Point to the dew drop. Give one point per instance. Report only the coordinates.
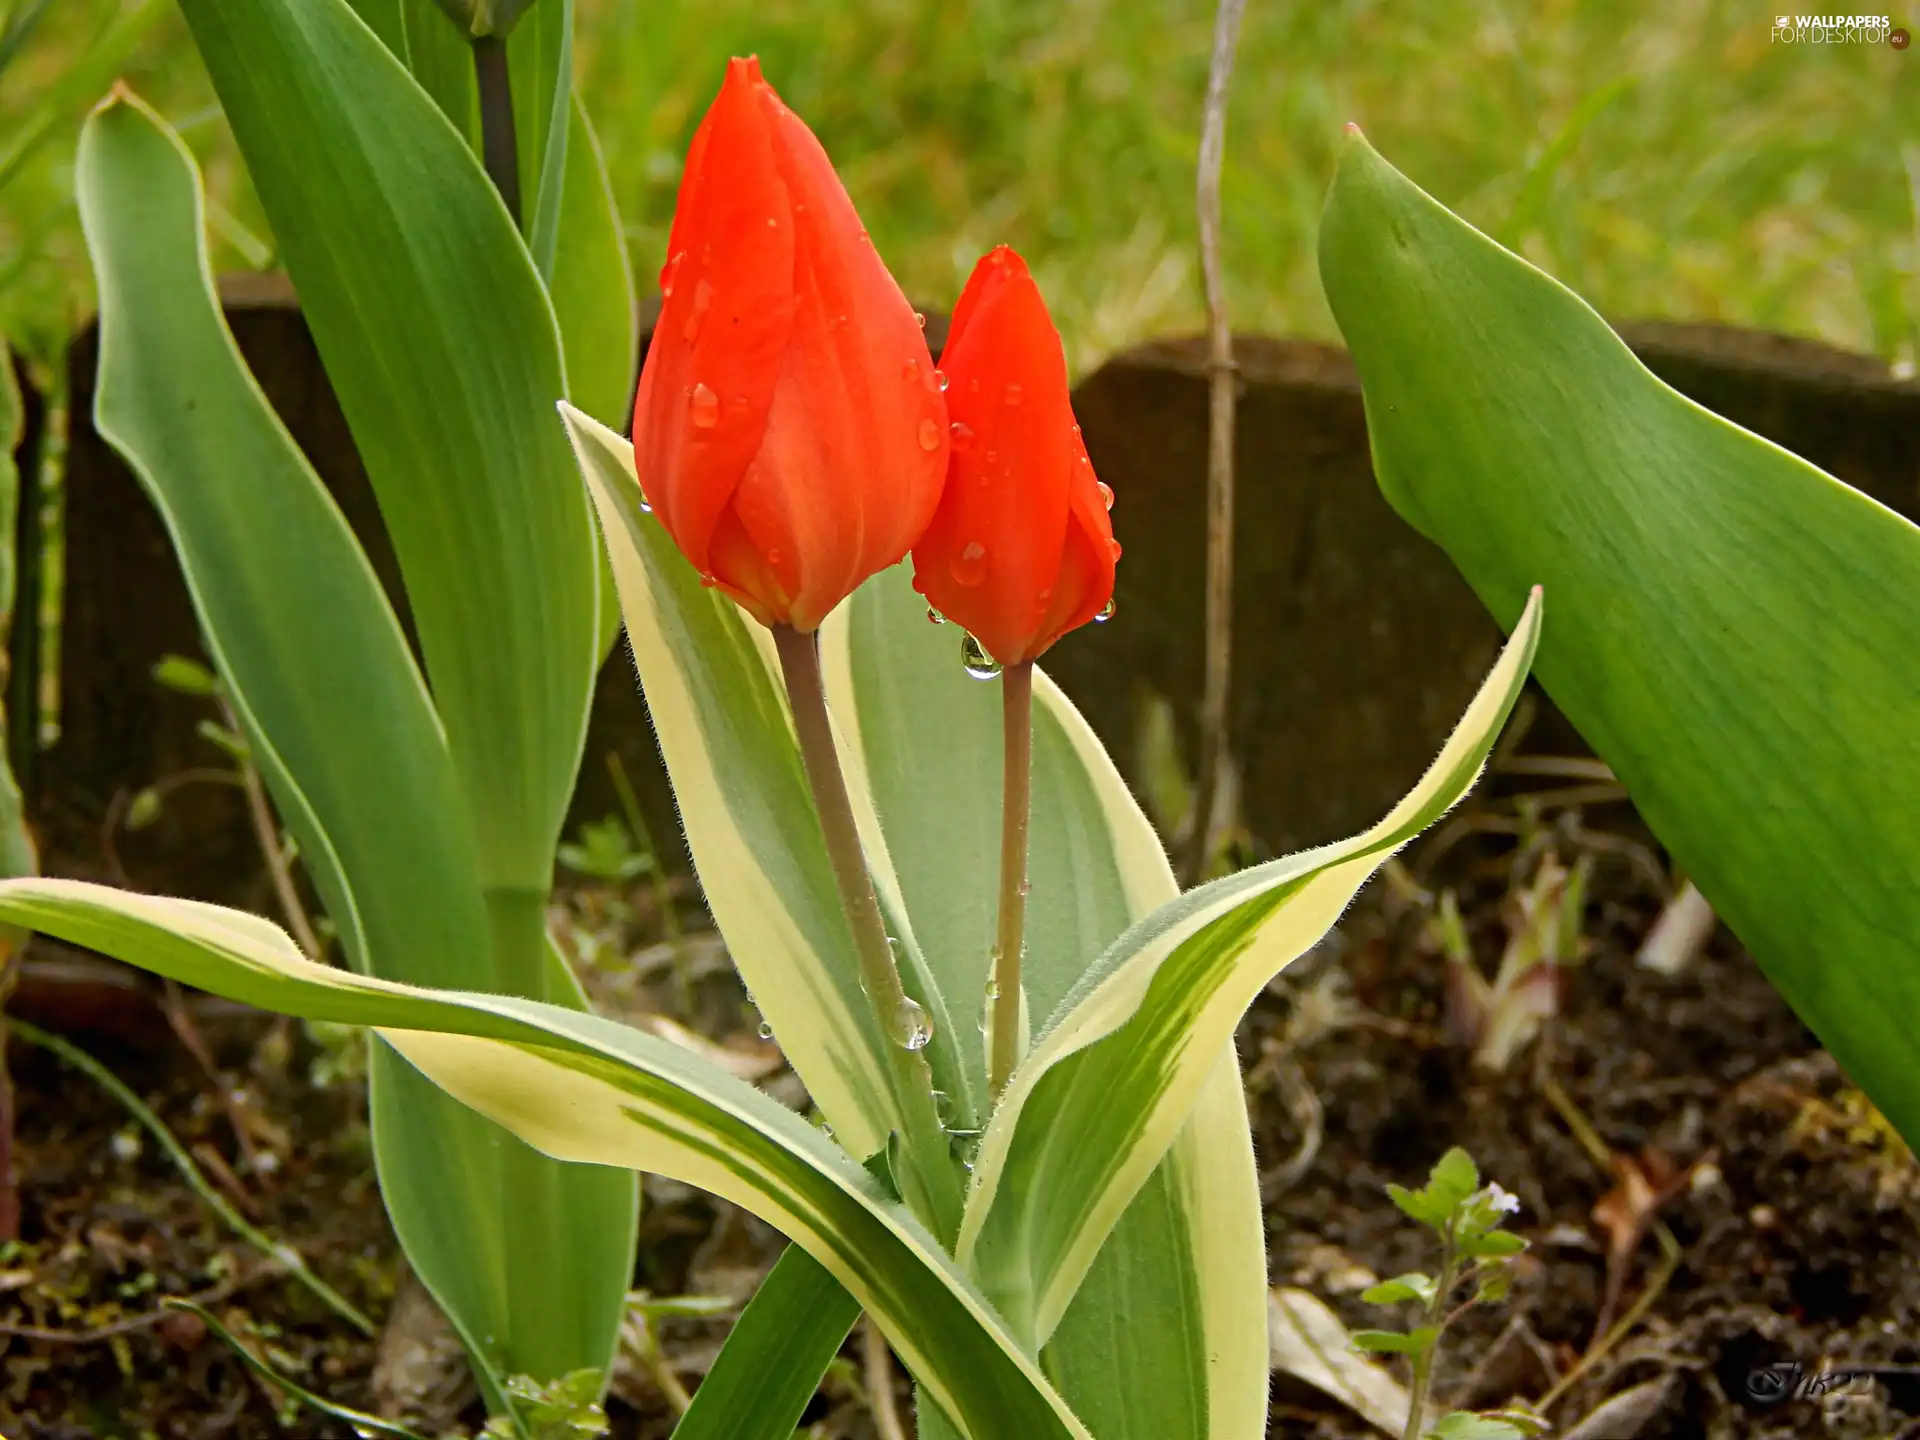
(1106, 613)
(929, 434)
(993, 457)
(1106, 493)
(993, 990)
(973, 386)
(920, 319)
(774, 556)
(940, 379)
(766, 1030)
(646, 505)
(961, 434)
(1012, 395)
(912, 1030)
(935, 616)
(1114, 546)
(772, 224)
(704, 406)
(979, 664)
(668, 271)
(910, 370)
(970, 565)
(702, 300)
(827, 1130)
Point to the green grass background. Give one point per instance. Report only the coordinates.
(1663, 159)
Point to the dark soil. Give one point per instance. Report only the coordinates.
(1792, 1209)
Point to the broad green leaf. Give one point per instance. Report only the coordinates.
(588, 1090)
(528, 1260)
(1394, 1342)
(774, 1356)
(540, 62)
(1093, 1108)
(1734, 630)
(441, 344)
(1167, 1335)
(385, 19)
(1411, 1286)
(593, 298)
(727, 737)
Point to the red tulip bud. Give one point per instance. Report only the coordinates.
(789, 431)
(1021, 549)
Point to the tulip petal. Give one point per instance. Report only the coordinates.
(725, 318)
(1085, 582)
(855, 449)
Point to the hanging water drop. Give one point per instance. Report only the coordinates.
(646, 505)
(1114, 546)
(940, 379)
(920, 319)
(993, 990)
(1106, 613)
(766, 1030)
(827, 1130)
(935, 616)
(929, 434)
(961, 434)
(912, 1030)
(704, 406)
(1106, 493)
(979, 664)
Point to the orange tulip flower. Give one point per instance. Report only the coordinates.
(789, 432)
(1021, 549)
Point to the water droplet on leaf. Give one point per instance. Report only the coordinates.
(766, 1030)
(935, 616)
(970, 565)
(980, 665)
(704, 406)
(912, 1030)
(929, 434)
(961, 434)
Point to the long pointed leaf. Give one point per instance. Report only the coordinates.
(530, 1264)
(1092, 1110)
(1734, 630)
(589, 1090)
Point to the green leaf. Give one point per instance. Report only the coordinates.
(1734, 629)
(1185, 1263)
(1465, 1425)
(442, 62)
(1411, 1286)
(727, 736)
(1492, 1243)
(588, 1090)
(1420, 1205)
(540, 61)
(337, 718)
(17, 853)
(441, 345)
(185, 677)
(1454, 1177)
(773, 1359)
(1414, 1342)
(1093, 1108)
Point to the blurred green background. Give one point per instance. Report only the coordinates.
(1663, 159)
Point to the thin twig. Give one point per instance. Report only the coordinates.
(1016, 682)
(498, 147)
(212, 1295)
(279, 1251)
(180, 1019)
(267, 829)
(1222, 381)
(880, 1396)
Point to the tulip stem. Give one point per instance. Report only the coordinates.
(498, 148)
(1016, 803)
(1222, 382)
(932, 1188)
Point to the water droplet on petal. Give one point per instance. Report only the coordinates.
(1012, 394)
(702, 299)
(1105, 614)
(979, 664)
(1114, 546)
(912, 1030)
(961, 434)
(993, 457)
(774, 556)
(704, 406)
(669, 270)
(929, 434)
(920, 319)
(708, 582)
(1106, 493)
(772, 224)
(766, 1030)
(970, 565)
(935, 616)
(973, 386)
(910, 370)
(940, 379)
